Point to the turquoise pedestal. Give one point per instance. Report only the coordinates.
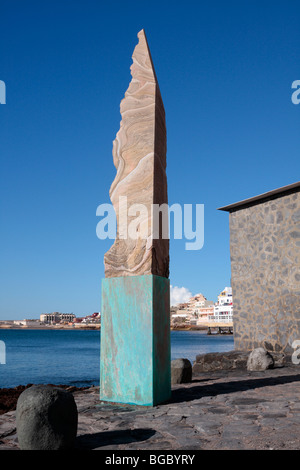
(135, 361)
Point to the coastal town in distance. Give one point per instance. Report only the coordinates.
(196, 313)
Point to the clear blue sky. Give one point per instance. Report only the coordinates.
(225, 70)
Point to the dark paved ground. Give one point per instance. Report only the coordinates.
(217, 410)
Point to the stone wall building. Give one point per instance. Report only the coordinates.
(265, 269)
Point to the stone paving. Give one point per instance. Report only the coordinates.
(231, 410)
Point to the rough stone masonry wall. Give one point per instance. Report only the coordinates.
(265, 274)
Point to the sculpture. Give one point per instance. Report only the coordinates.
(135, 315)
(139, 155)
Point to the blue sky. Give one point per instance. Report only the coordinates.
(225, 70)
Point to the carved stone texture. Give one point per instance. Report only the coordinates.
(139, 155)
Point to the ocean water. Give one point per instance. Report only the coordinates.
(73, 357)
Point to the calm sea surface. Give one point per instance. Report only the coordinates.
(73, 357)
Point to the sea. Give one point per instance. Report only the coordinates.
(72, 357)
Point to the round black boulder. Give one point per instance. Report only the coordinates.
(46, 418)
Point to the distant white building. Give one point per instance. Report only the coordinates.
(203, 313)
(223, 308)
(57, 317)
(26, 322)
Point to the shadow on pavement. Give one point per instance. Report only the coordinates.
(105, 438)
(190, 393)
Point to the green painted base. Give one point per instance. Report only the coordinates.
(135, 360)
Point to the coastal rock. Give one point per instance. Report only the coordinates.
(231, 360)
(139, 155)
(9, 396)
(220, 361)
(46, 418)
(260, 359)
(181, 371)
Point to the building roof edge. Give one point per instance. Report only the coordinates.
(291, 188)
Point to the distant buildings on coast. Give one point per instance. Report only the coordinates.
(70, 319)
(199, 311)
(57, 320)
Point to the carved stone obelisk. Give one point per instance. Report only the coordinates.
(135, 317)
(139, 155)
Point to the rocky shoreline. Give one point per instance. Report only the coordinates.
(223, 407)
(209, 362)
(221, 410)
(9, 396)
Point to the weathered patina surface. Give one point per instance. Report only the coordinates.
(135, 340)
